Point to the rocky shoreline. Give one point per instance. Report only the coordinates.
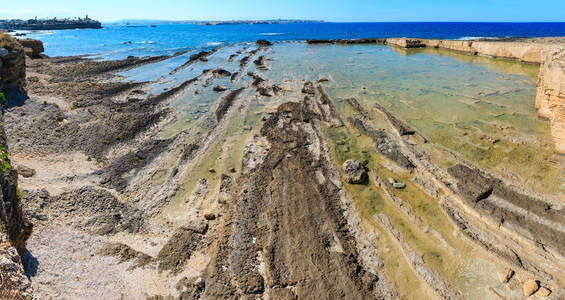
(248, 198)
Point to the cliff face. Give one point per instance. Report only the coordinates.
(550, 99)
(14, 228)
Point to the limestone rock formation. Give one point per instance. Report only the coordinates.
(550, 98)
(353, 171)
(35, 47)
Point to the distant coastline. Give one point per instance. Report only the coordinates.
(201, 22)
(50, 24)
(257, 22)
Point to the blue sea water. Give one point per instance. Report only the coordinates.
(112, 41)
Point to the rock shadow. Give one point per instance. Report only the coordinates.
(15, 97)
(30, 263)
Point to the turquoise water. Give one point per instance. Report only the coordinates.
(112, 41)
(480, 108)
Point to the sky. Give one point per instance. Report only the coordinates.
(327, 10)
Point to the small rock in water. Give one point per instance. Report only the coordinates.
(391, 180)
(341, 143)
(209, 215)
(233, 170)
(530, 287)
(505, 274)
(211, 170)
(219, 88)
(263, 43)
(354, 172)
(398, 185)
(544, 292)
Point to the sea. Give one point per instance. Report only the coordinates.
(120, 41)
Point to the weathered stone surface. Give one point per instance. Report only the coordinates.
(530, 287)
(505, 274)
(353, 171)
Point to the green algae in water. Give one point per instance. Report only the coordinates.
(445, 95)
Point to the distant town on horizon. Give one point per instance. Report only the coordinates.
(87, 22)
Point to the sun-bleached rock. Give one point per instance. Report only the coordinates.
(530, 287)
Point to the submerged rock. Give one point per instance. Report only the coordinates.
(219, 88)
(353, 171)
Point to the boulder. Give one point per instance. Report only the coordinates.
(505, 274)
(544, 292)
(353, 171)
(530, 287)
(208, 214)
(3, 52)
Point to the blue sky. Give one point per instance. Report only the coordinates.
(329, 10)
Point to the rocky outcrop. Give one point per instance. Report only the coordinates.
(550, 98)
(33, 48)
(526, 51)
(12, 63)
